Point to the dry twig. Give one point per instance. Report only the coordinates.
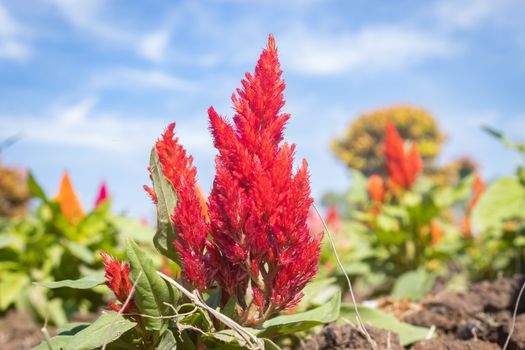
(358, 316)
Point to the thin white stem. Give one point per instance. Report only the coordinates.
(358, 316)
(252, 341)
(122, 308)
(514, 315)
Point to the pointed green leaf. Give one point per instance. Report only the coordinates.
(167, 341)
(35, 189)
(106, 329)
(413, 285)
(408, 334)
(151, 291)
(288, 324)
(166, 203)
(79, 251)
(86, 282)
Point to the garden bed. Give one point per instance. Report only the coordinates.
(477, 318)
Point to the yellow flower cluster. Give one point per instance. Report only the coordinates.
(14, 194)
(361, 146)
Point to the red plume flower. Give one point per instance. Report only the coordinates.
(117, 279)
(258, 206)
(102, 195)
(403, 167)
(188, 218)
(376, 188)
(333, 219)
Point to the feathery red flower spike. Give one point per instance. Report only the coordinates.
(403, 166)
(117, 279)
(258, 238)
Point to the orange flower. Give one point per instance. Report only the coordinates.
(68, 200)
(478, 186)
(403, 166)
(436, 231)
(477, 189)
(376, 188)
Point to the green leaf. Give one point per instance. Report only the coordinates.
(134, 229)
(80, 252)
(105, 329)
(166, 203)
(86, 282)
(358, 190)
(11, 287)
(151, 291)
(35, 189)
(503, 199)
(57, 342)
(504, 140)
(167, 341)
(288, 324)
(413, 285)
(408, 334)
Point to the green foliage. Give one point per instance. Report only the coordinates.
(152, 292)
(408, 334)
(45, 247)
(105, 330)
(413, 285)
(166, 203)
(503, 200)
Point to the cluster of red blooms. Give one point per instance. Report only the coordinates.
(251, 235)
(117, 279)
(403, 166)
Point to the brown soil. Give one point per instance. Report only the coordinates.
(479, 318)
(483, 311)
(454, 344)
(348, 337)
(18, 331)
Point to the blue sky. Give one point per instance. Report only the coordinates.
(90, 84)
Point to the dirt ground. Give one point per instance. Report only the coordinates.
(476, 319)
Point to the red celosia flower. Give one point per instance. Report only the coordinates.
(403, 167)
(333, 219)
(376, 189)
(188, 218)
(117, 279)
(257, 207)
(102, 195)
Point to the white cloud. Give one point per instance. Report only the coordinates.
(89, 16)
(139, 78)
(154, 46)
(466, 13)
(371, 48)
(81, 125)
(12, 44)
